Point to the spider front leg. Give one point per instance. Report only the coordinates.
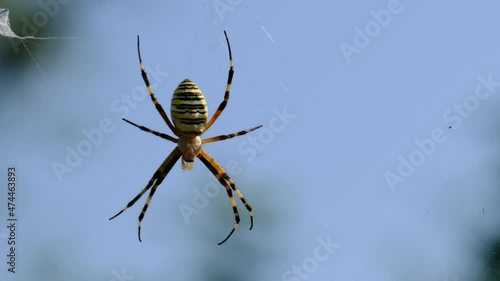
(228, 184)
(152, 94)
(228, 87)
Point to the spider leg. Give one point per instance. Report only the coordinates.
(228, 88)
(236, 190)
(154, 182)
(161, 135)
(228, 136)
(228, 184)
(152, 94)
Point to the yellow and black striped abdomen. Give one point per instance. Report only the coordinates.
(189, 109)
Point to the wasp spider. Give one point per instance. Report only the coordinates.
(189, 115)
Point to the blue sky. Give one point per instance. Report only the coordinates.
(356, 152)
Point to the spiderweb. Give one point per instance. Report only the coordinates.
(6, 31)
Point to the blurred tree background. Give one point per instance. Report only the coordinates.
(55, 111)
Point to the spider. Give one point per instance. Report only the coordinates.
(189, 115)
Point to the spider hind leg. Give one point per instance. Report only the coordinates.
(229, 185)
(153, 183)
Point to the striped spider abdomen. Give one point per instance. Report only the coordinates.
(189, 109)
